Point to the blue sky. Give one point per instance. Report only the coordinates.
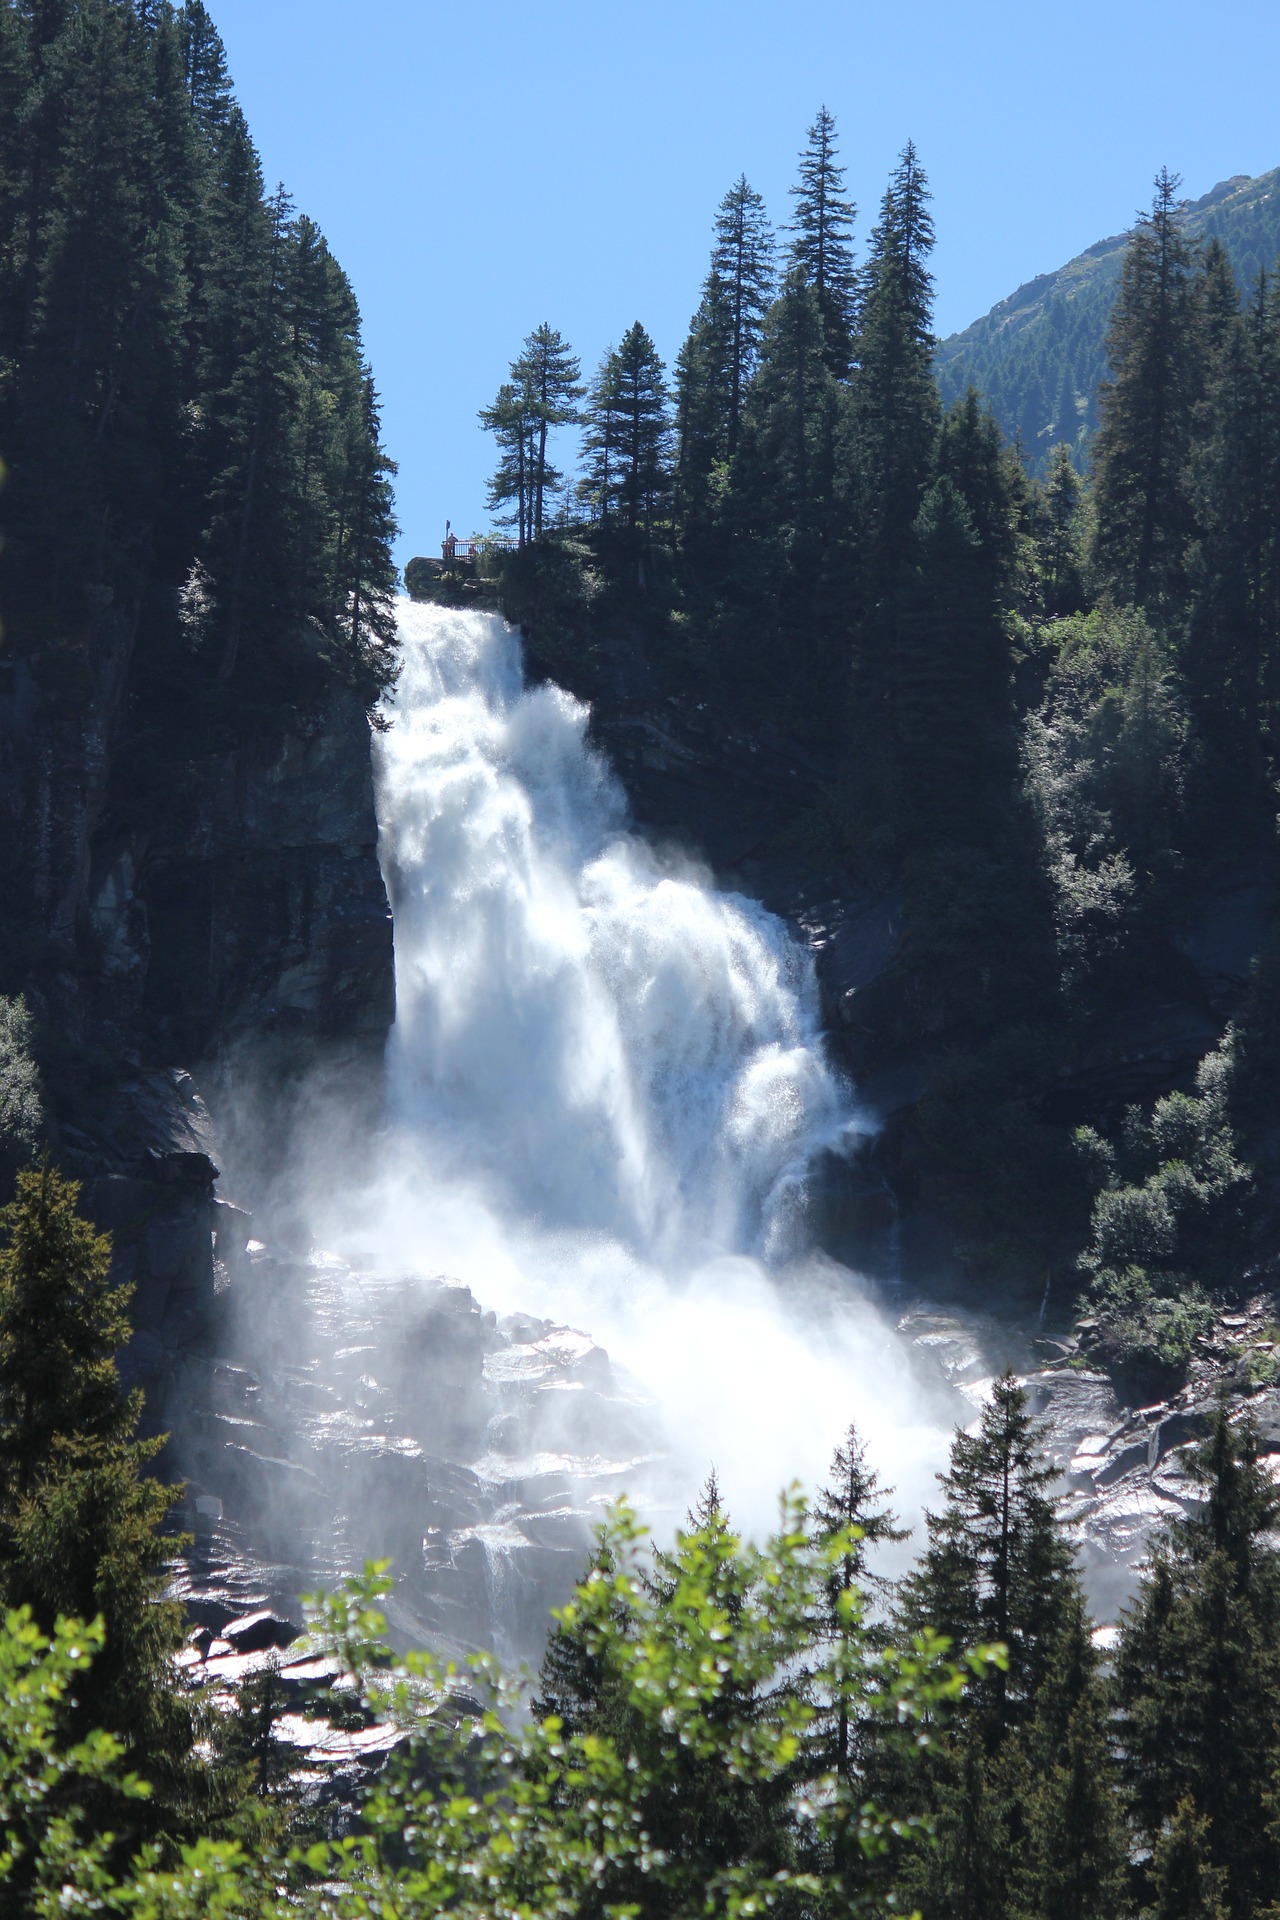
(483, 168)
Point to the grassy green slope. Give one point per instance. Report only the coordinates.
(1038, 356)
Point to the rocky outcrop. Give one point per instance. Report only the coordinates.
(179, 879)
(145, 1161)
(337, 1416)
(1122, 1469)
(750, 803)
(252, 903)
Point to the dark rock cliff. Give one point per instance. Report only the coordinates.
(751, 803)
(170, 889)
(174, 889)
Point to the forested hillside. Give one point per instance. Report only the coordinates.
(196, 565)
(1027, 725)
(1033, 721)
(1039, 356)
(184, 398)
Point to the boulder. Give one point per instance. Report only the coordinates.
(255, 1632)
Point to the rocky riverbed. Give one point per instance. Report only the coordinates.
(1122, 1466)
(348, 1416)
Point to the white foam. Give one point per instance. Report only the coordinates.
(607, 1080)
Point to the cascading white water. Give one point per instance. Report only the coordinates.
(607, 1080)
(617, 1047)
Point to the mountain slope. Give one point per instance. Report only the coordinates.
(1038, 356)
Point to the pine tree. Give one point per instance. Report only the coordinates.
(743, 258)
(1142, 448)
(822, 227)
(996, 1567)
(549, 373)
(81, 1524)
(1059, 561)
(627, 474)
(1197, 1682)
(704, 405)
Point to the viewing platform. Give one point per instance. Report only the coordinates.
(456, 575)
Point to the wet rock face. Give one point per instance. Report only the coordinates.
(340, 1417)
(177, 890)
(1122, 1469)
(147, 1176)
(266, 908)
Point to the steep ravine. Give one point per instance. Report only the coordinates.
(238, 914)
(607, 1079)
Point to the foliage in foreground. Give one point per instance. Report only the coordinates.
(718, 1688)
(721, 1729)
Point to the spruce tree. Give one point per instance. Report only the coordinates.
(822, 227)
(850, 1509)
(204, 67)
(700, 1813)
(783, 474)
(82, 1525)
(854, 1498)
(894, 412)
(510, 419)
(704, 405)
(1058, 554)
(167, 409)
(627, 445)
(1184, 1884)
(743, 258)
(1234, 613)
(990, 479)
(1059, 1782)
(997, 1569)
(951, 711)
(549, 374)
(576, 1685)
(1143, 444)
(1197, 1680)
(890, 433)
(360, 572)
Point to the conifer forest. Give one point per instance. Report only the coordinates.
(951, 671)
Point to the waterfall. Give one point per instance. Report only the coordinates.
(606, 1081)
(617, 1046)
